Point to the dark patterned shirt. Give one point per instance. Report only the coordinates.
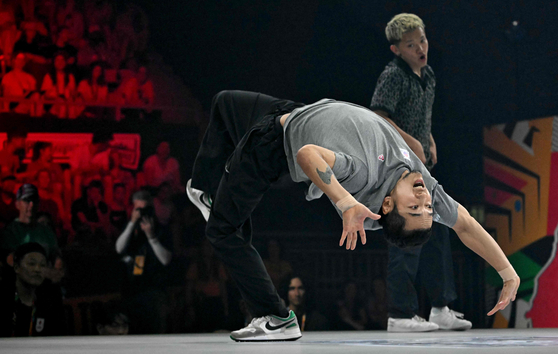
(408, 99)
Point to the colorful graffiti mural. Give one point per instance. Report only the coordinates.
(521, 194)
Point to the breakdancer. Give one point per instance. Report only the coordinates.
(343, 150)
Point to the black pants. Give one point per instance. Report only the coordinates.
(241, 155)
(433, 262)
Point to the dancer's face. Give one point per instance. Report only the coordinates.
(413, 48)
(413, 201)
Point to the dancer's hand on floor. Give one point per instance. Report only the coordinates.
(353, 223)
(507, 295)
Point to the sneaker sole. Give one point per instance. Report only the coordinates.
(198, 203)
(456, 329)
(266, 340)
(410, 330)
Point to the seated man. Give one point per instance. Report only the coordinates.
(32, 312)
(343, 150)
(91, 211)
(19, 85)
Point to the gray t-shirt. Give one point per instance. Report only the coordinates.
(370, 155)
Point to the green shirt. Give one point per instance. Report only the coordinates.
(18, 233)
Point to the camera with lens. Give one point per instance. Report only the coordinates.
(148, 211)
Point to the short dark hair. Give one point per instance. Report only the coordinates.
(144, 195)
(394, 230)
(30, 247)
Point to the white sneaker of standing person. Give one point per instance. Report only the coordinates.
(269, 329)
(200, 199)
(449, 319)
(415, 324)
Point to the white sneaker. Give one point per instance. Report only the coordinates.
(449, 319)
(415, 324)
(200, 199)
(268, 329)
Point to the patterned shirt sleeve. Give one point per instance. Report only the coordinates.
(388, 91)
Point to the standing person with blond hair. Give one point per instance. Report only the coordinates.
(404, 96)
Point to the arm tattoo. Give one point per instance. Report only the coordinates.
(325, 176)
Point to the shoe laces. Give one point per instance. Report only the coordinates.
(418, 318)
(457, 314)
(258, 320)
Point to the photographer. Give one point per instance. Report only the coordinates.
(147, 252)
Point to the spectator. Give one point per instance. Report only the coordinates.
(118, 210)
(59, 85)
(111, 319)
(18, 84)
(93, 90)
(206, 294)
(91, 212)
(12, 154)
(25, 228)
(30, 43)
(98, 14)
(161, 167)
(118, 174)
(147, 253)
(32, 312)
(71, 18)
(376, 306)
(132, 31)
(90, 161)
(51, 199)
(8, 210)
(138, 90)
(277, 268)
(61, 45)
(297, 299)
(9, 34)
(42, 159)
(350, 310)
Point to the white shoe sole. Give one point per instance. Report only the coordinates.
(279, 337)
(405, 330)
(462, 328)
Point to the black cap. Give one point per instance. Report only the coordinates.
(30, 247)
(28, 192)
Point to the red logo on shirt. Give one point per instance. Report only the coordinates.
(381, 157)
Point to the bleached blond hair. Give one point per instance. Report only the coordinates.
(401, 24)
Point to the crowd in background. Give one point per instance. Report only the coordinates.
(60, 222)
(170, 280)
(72, 59)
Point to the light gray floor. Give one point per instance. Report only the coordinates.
(509, 341)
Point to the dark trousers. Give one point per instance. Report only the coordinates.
(433, 262)
(241, 155)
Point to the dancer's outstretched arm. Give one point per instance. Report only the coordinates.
(317, 162)
(474, 236)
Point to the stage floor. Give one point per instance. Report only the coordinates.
(492, 341)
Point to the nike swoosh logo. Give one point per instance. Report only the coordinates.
(273, 328)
